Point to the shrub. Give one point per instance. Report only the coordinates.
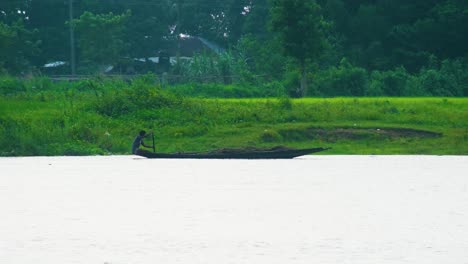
(438, 84)
(390, 83)
(143, 93)
(273, 89)
(11, 85)
(450, 78)
(345, 80)
(39, 84)
(292, 83)
(414, 88)
(375, 85)
(285, 103)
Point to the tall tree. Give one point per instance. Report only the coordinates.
(49, 18)
(18, 47)
(101, 37)
(147, 27)
(216, 20)
(301, 28)
(256, 19)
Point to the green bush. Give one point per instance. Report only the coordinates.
(142, 93)
(438, 84)
(448, 78)
(272, 89)
(375, 85)
(345, 80)
(291, 81)
(389, 83)
(10, 85)
(285, 103)
(39, 84)
(414, 88)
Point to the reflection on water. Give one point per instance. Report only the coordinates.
(315, 209)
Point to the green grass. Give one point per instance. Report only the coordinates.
(87, 122)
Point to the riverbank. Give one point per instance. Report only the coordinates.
(105, 122)
(102, 118)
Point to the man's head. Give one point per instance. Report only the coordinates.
(142, 133)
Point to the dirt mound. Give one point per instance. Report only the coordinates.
(333, 134)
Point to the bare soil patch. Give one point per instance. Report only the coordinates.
(333, 134)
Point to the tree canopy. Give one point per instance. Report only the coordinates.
(274, 39)
(300, 27)
(101, 37)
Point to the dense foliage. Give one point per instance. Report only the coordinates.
(301, 32)
(101, 36)
(359, 47)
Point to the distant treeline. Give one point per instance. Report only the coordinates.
(447, 78)
(373, 47)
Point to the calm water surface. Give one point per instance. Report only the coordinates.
(315, 209)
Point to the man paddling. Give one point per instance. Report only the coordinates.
(139, 141)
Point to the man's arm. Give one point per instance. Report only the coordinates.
(144, 145)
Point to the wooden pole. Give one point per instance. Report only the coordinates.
(72, 39)
(178, 30)
(154, 147)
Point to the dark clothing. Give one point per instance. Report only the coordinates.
(137, 143)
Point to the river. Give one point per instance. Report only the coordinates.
(314, 209)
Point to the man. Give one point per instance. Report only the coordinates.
(139, 141)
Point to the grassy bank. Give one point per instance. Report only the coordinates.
(102, 116)
(97, 120)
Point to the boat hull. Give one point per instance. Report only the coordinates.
(275, 153)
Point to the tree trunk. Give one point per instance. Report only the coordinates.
(303, 81)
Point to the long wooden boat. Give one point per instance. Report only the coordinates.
(245, 153)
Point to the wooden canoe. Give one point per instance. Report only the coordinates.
(247, 153)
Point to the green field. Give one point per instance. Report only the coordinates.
(91, 122)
